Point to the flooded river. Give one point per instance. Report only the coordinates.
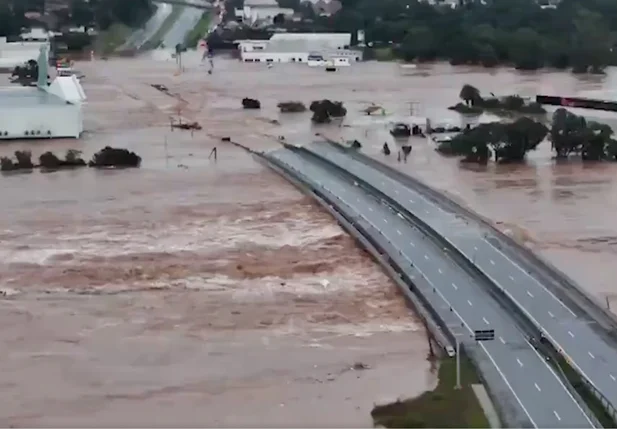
(170, 294)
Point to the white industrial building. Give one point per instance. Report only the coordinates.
(300, 48)
(16, 53)
(46, 111)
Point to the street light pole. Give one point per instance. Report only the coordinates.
(458, 365)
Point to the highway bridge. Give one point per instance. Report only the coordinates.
(528, 390)
(585, 345)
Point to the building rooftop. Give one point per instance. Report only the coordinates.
(28, 97)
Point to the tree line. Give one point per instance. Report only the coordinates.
(577, 34)
(87, 13)
(510, 141)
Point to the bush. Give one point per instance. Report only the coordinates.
(112, 157)
(291, 107)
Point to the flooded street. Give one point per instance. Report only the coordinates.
(195, 292)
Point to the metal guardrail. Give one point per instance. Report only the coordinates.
(503, 297)
(610, 409)
(471, 349)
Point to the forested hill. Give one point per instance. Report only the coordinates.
(99, 13)
(525, 33)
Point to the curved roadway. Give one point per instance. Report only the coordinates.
(583, 347)
(186, 21)
(140, 37)
(539, 396)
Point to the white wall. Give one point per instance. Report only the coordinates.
(300, 57)
(45, 121)
(275, 57)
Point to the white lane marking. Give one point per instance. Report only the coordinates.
(529, 293)
(412, 245)
(537, 387)
(475, 248)
(511, 278)
(385, 221)
(383, 183)
(439, 269)
(485, 321)
(426, 211)
(370, 209)
(551, 314)
(411, 201)
(483, 347)
(590, 354)
(426, 257)
(469, 302)
(400, 215)
(539, 357)
(612, 377)
(571, 334)
(454, 286)
(396, 191)
(519, 362)
(399, 232)
(502, 340)
(531, 277)
(556, 415)
(492, 262)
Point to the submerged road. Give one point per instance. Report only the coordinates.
(517, 371)
(571, 334)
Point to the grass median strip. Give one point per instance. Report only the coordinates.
(158, 37)
(444, 407)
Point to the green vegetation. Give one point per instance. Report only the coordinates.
(594, 404)
(112, 18)
(199, 31)
(444, 407)
(157, 38)
(528, 34)
(474, 103)
(508, 142)
(591, 140)
(112, 38)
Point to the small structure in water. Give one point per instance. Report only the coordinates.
(400, 130)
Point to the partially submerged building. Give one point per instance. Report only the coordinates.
(44, 111)
(306, 48)
(14, 54)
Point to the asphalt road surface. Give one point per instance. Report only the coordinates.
(584, 348)
(189, 17)
(141, 36)
(538, 394)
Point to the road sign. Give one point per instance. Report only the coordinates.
(484, 335)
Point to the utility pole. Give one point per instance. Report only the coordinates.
(458, 364)
(166, 154)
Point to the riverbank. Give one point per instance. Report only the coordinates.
(443, 407)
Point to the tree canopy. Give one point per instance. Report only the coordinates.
(525, 33)
(86, 13)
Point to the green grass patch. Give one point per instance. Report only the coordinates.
(112, 38)
(444, 407)
(156, 40)
(198, 32)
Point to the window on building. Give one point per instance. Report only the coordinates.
(269, 60)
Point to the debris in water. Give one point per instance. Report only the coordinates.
(251, 103)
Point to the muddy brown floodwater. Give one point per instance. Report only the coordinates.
(194, 292)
